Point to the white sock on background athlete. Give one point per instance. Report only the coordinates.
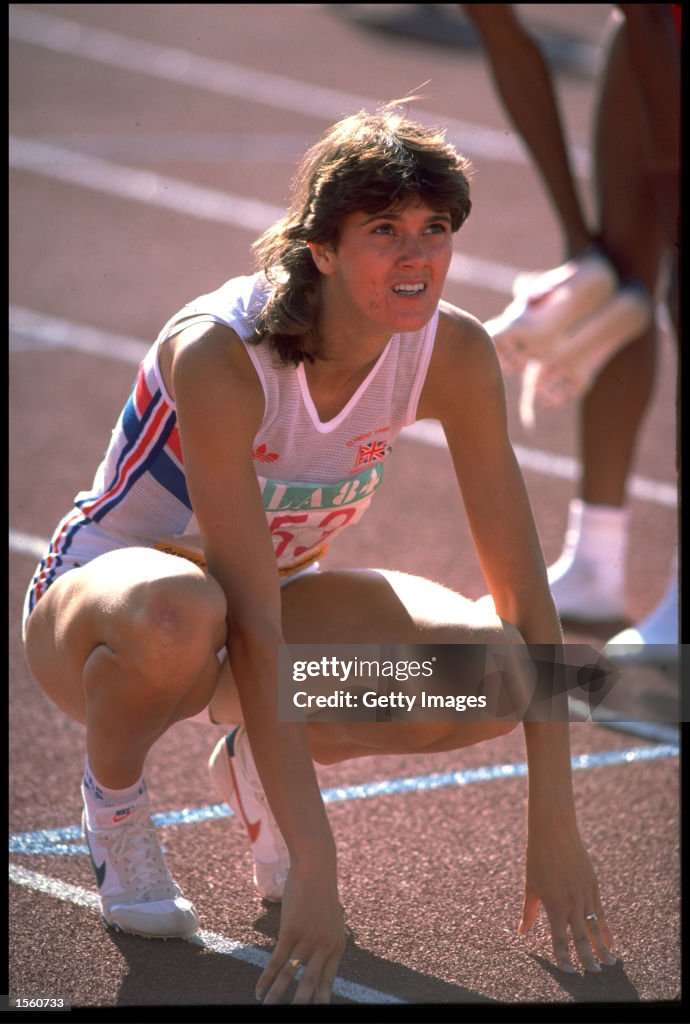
(588, 579)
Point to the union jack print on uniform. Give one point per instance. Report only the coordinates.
(373, 452)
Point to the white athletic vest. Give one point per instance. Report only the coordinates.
(316, 478)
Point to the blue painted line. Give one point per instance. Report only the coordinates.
(68, 841)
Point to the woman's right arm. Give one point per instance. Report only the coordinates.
(220, 403)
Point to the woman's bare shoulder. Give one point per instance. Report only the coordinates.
(460, 326)
(462, 341)
(462, 364)
(207, 350)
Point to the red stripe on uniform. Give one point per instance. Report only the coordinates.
(54, 551)
(137, 455)
(142, 395)
(173, 443)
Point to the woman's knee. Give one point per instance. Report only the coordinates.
(170, 626)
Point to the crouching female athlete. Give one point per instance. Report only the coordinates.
(288, 385)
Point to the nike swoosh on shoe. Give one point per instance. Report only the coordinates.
(253, 827)
(98, 870)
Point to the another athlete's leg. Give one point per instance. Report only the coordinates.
(588, 580)
(632, 235)
(655, 638)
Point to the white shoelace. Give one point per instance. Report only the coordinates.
(138, 859)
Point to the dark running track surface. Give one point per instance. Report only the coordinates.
(431, 875)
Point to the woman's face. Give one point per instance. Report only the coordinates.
(388, 270)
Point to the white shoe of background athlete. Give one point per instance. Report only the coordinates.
(654, 640)
(236, 782)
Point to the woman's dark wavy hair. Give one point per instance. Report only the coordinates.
(369, 162)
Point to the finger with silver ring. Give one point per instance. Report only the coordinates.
(295, 963)
(600, 937)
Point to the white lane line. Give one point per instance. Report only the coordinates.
(562, 467)
(27, 544)
(227, 79)
(30, 329)
(141, 186)
(69, 893)
(54, 887)
(164, 147)
(133, 184)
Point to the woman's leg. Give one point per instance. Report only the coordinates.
(126, 644)
(381, 607)
(357, 607)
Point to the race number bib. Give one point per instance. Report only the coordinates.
(304, 518)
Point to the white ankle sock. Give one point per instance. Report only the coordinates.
(96, 796)
(588, 579)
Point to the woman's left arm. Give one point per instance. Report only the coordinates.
(559, 873)
(464, 390)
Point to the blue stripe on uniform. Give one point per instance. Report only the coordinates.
(133, 427)
(169, 475)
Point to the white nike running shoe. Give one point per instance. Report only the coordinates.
(138, 894)
(234, 776)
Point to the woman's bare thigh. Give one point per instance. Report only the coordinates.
(370, 606)
(383, 606)
(103, 603)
